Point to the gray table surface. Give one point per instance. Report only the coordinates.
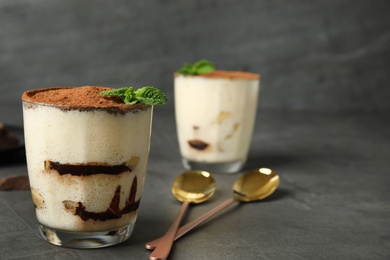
(332, 203)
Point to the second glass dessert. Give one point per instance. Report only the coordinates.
(215, 117)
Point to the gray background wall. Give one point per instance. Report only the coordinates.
(313, 55)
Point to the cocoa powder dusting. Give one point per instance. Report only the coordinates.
(227, 75)
(83, 98)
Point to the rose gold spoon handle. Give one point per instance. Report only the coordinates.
(186, 228)
(165, 244)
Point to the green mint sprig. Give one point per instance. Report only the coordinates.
(199, 68)
(147, 95)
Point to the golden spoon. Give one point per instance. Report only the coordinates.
(252, 186)
(189, 187)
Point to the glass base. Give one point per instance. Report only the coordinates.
(230, 167)
(86, 239)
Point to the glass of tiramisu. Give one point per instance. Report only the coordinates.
(215, 116)
(87, 152)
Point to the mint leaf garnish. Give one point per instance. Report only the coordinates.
(114, 92)
(150, 96)
(129, 96)
(200, 67)
(147, 95)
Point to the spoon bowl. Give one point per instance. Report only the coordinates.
(255, 185)
(194, 187)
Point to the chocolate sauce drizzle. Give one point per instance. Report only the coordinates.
(198, 144)
(86, 169)
(113, 211)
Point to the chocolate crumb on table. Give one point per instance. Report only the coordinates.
(18, 182)
(7, 138)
